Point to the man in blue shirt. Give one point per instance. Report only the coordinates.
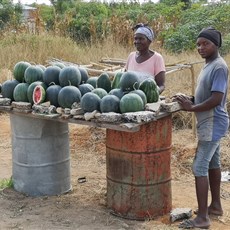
(209, 105)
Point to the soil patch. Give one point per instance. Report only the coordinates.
(84, 208)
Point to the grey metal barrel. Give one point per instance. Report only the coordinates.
(40, 155)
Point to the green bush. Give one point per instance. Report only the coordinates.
(225, 49)
(184, 36)
(87, 20)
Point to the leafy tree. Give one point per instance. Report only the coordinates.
(9, 14)
(47, 14)
(87, 21)
(187, 3)
(184, 35)
(61, 6)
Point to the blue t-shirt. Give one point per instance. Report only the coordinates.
(212, 124)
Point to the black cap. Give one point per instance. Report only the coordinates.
(211, 34)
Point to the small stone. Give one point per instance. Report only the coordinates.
(110, 117)
(139, 117)
(180, 213)
(5, 101)
(88, 116)
(77, 111)
(21, 105)
(67, 111)
(60, 110)
(76, 105)
(40, 109)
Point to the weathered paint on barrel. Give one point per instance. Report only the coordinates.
(40, 155)
(138, 170)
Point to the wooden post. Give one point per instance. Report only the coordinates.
(193, 92)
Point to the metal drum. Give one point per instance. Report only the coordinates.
(138, 170)
(40, 155)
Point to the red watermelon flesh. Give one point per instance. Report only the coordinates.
(39, 95)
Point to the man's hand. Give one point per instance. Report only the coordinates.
(185, 101)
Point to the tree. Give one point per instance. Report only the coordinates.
(187, 3)
(7, 12)
(62, 5)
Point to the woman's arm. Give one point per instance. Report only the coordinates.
(160, 80)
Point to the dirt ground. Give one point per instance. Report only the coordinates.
(84, 208)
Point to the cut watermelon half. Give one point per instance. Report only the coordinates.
(39, 95)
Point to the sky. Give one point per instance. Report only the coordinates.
(48, 2)
(32, 1)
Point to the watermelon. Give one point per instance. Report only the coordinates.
(70, 75)
(117, 92)
(8, 88)
(90, 102)
(129, 80)
(20, 92)
(110, 103)
(85, 88)
(92, 81)
(51, 75)
(39, 95)
(52, 94)
(33, 73)
(84, 75)
(100, 92)
(59, 64)
(149, 87)
(69, 95)
(141, 94)
(19, 70)
(42, 67)
(116, 80)
(104, 82)
(31, 89)
(131, 102)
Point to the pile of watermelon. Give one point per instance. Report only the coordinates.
(64, 85)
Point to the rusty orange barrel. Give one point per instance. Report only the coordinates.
(138, 170)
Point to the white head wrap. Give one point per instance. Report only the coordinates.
(148, 32)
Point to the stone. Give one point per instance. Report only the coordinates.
(5, 101)
(110, 117)
(139, 117)
(180, 213)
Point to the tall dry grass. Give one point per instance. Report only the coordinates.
(41, 48)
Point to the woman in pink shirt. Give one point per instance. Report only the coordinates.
(144, 59)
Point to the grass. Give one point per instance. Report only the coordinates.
(6, 183)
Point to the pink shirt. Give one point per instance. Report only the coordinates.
(152, 66)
